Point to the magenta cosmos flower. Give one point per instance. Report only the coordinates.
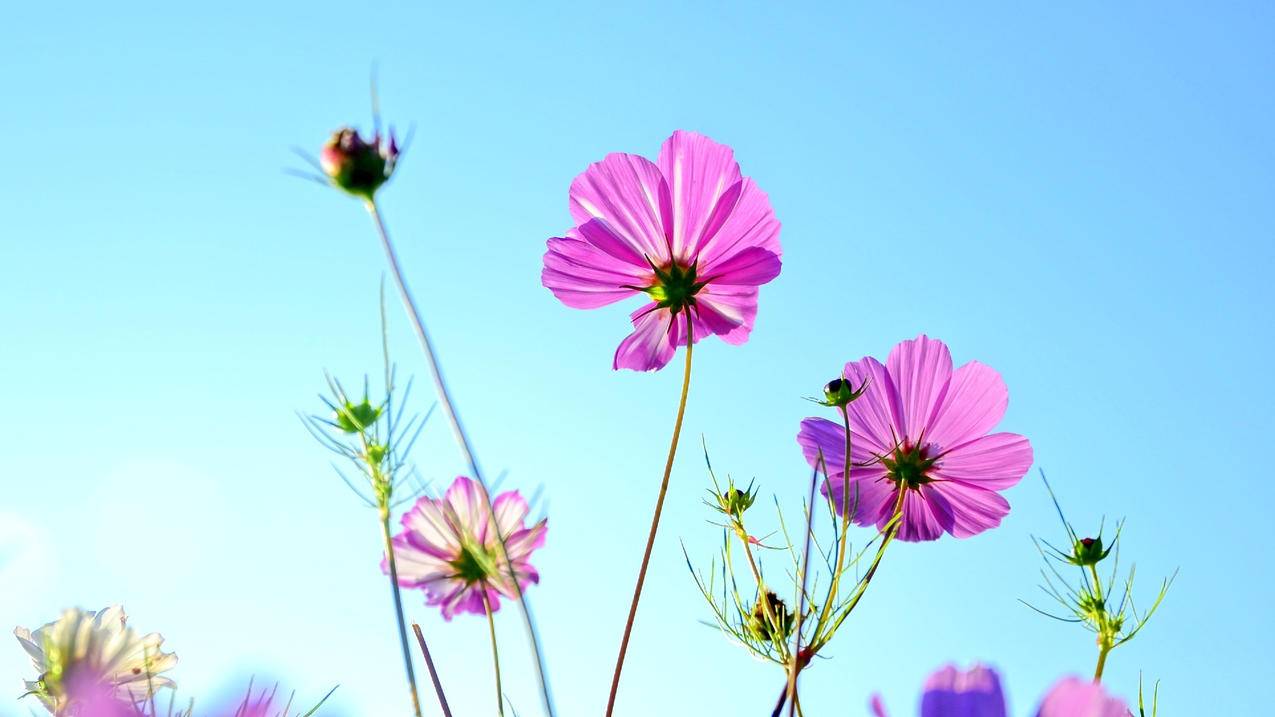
(689, 231)
(976, 692)
(922, 427)
(449, 548)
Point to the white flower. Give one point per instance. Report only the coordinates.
(95, 653)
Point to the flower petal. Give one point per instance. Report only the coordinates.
(467, 507)
(651, 345)
(874, 416)
(752, 266)
(965, 510)
(993, 462)
(584, 275)
(1076, 697)
(920, 523)
(726, 311)
(510, 509)
(951, 692)
(974, 403)
(751, 224)
(699, 173)
(920, 369)
(627, 192)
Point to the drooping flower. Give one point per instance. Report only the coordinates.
(976, 692)
(689, 231)
(94, 657)
(923, 428)
(449, 547)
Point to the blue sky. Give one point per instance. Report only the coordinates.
(1078, 194)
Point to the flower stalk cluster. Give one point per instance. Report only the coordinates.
(1099, 598)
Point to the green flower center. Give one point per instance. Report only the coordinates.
(675, 286)
(909, 466)
(472, 565)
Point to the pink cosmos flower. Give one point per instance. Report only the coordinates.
(688, 230)
(449, 548)
(976, 692)
(922, 427)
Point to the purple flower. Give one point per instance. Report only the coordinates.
(689, 231)
(976, 692)
(923, 428)
(448, 548)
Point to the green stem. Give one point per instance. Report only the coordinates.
(398, 610)
(1104, 641)
(495, 653)
(655, 521)
(843, 548)
(462, 442)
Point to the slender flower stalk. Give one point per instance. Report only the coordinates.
(398, 609)
(433, 673)
(655, 522)
(495, 656)
(458, 430)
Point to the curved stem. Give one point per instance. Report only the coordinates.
(462, 442)
(398, 610)
(796, 665)
(835, 583)
(655, 520)
(495, 654)
(777, 637)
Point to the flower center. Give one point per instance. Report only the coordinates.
(471, 565)
(675, 286)
(908, 466)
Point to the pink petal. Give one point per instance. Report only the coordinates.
(727, 311)
(522, 542)
(975, 402)
(651, 345)
(964, 510)
(428, 528)
(919, 520)
(751, 266)
(467, 507)
(877, 706)
(994, 462)
(1076, 697)
(874, 416)
(871, 494)
(510, 508)
(751, 223)
(583, 271)
(699, 172)
(628, 193)
(920, 368)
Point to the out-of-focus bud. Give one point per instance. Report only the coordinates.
(358, 166)
(357, 417)
(759, 623)
(839, 392)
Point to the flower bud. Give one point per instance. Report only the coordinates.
(736, 501)
(762, 627)
(357, 417)
(840, 392)
(357, 166)
(1088, 551)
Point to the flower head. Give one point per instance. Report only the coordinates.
(93, 658)
(921, 427)
(449, 547)
(689, 231)
(1077, 697)
(356, 165)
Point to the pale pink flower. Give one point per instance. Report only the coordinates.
(449, 548)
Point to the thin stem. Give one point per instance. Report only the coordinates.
(843, 548)
(655, 519)
(1104, 641)
(777, 638)
(433, 673)
(495, 653)
(462, 442)
(795, 665)
(1102, 663)
(398, 610)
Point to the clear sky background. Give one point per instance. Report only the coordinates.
(1079, 194)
